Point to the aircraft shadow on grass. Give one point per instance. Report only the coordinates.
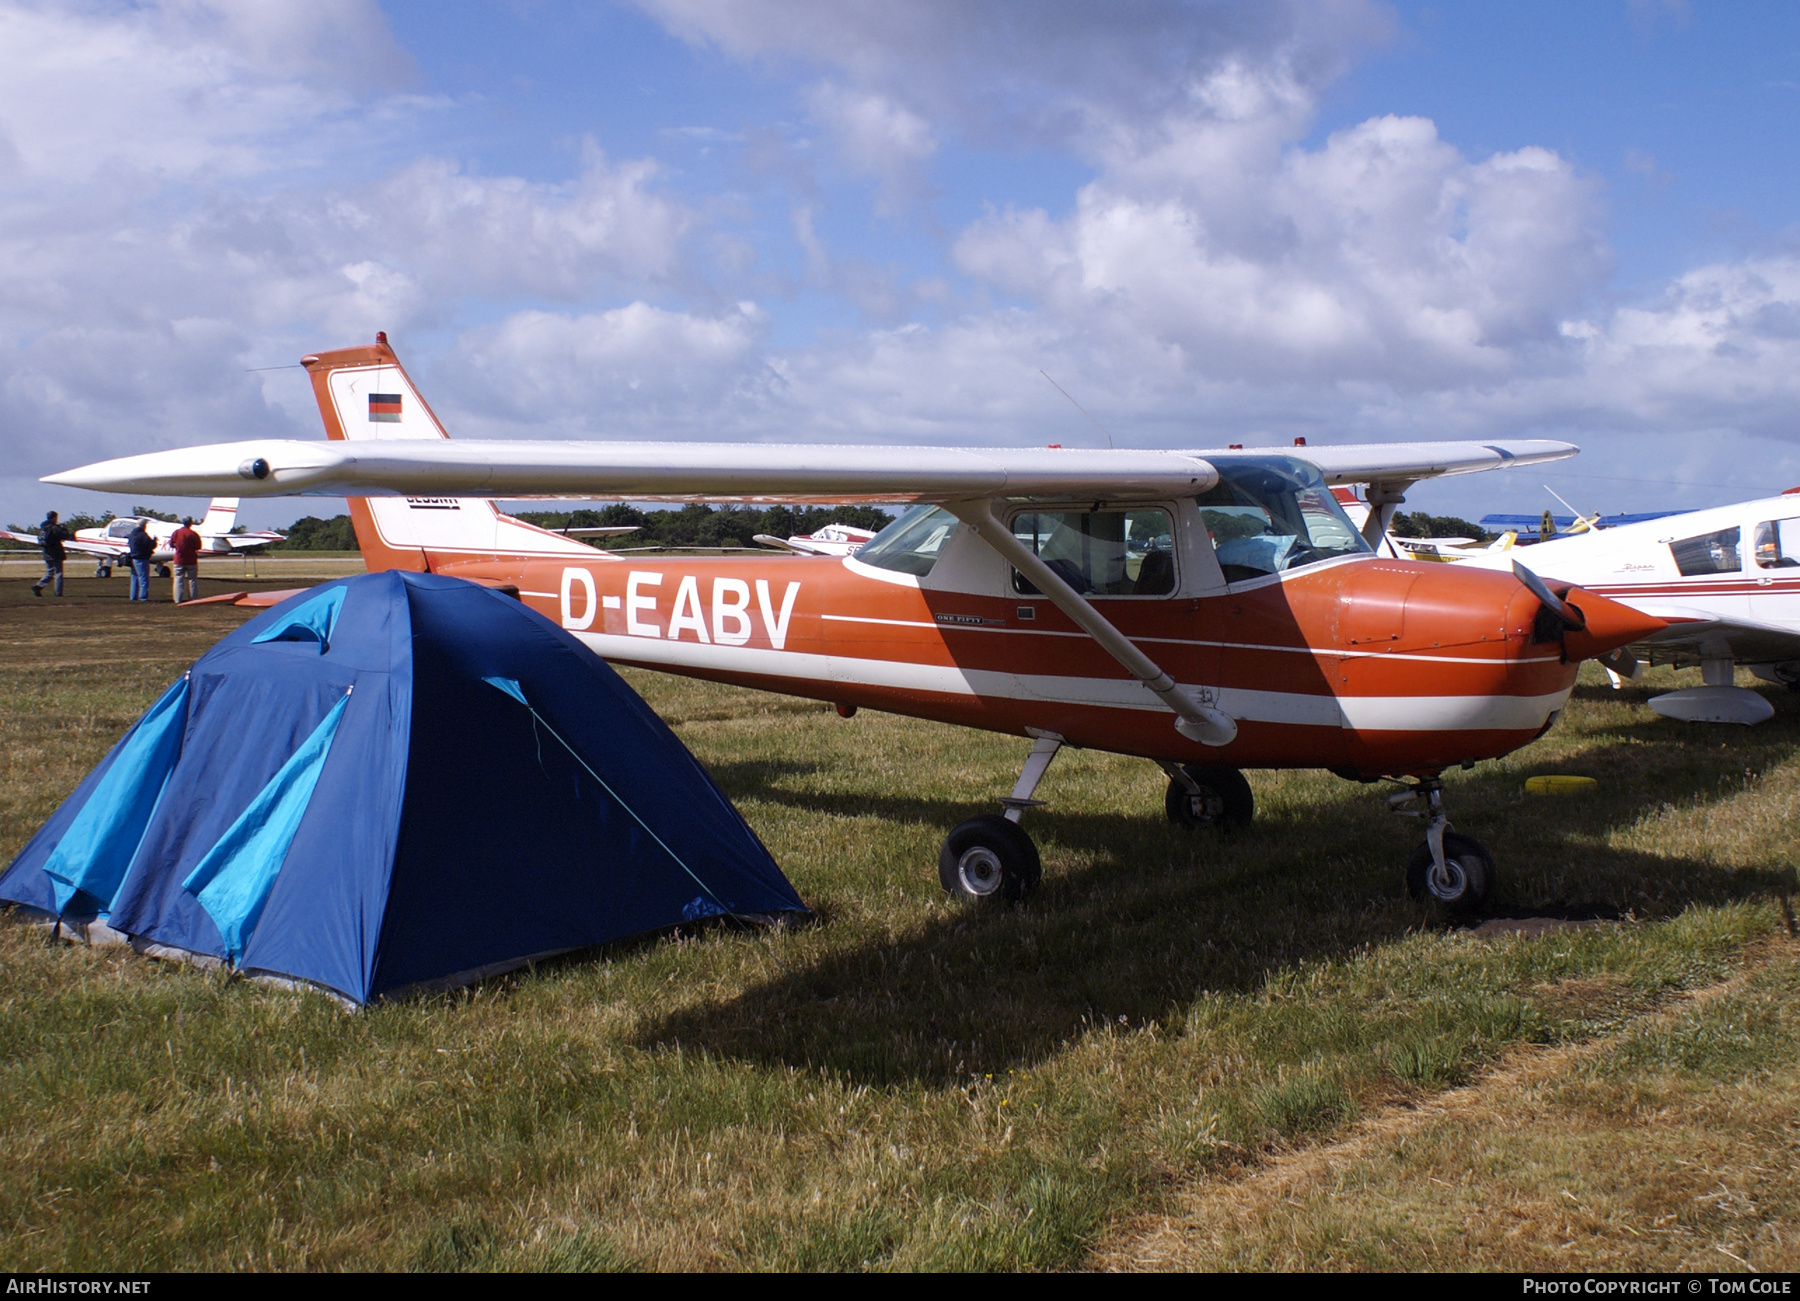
(1150, 922)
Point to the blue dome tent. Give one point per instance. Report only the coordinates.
(395, 780)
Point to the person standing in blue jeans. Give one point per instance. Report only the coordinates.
(141, 548)
(51, 536)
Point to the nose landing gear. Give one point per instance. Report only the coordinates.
(989, 856)
(1453, 869)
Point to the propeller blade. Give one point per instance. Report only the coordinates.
(1572, 618)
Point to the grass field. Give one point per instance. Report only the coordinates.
(1181, 1052)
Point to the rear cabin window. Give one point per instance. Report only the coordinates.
(1711, 553)
(912, 543)
(1778, 544)
(1101, 552)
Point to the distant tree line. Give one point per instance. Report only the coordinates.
(697, 525)
(315, 534)
(1420, 525)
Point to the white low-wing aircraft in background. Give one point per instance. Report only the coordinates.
(1725, 581)
(1208, 610)
(831, 540)
(108, 543)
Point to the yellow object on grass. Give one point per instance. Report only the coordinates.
(1558, 784)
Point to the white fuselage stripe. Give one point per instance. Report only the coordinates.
(1362, 713)
(1332, 653)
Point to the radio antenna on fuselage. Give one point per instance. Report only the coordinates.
(1084, 411)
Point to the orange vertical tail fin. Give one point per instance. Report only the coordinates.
(365, 394)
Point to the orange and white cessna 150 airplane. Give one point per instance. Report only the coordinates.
(1211, 611)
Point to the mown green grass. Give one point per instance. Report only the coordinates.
(904, 1083)
(1670, 1144)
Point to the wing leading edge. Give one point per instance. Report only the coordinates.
(1386, 462)
(760, 472)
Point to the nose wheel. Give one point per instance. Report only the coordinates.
(1462, 885)
(1450, 869)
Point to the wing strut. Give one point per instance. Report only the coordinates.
(1384, 496)
(1196, 721)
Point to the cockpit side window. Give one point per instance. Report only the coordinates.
(912, 543)
(1101, 552)
(1269, 514)
(1710, 553)
(1778, 544)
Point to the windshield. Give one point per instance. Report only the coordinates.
(1274, 513)
(910, 545)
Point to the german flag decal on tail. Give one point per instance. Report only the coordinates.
(384, 408)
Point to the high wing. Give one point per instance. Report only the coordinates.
(759, 472)
(70, 544)
(1388, 462)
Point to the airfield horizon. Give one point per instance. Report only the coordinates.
(1182, 1053)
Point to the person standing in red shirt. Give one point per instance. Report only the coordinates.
(186, 544)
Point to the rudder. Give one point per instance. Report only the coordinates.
(365, 394)
(221, 515)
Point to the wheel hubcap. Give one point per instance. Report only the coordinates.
(1449, 884)
(980, 870)
(1206, 806)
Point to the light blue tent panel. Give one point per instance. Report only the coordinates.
(311, 620)
(234, 879)
(93, 854)
(511, 687)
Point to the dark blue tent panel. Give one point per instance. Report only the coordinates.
(392, 780)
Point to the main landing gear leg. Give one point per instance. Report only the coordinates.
(1450, 868)
(990, 856)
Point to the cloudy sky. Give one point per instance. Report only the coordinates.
(862, 221)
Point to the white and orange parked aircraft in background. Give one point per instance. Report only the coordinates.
(1208, 610)
(1726, 583)
(108, 543)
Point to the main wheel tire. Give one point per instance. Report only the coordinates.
(988, 857)
(1472, 875)
(1224, 799)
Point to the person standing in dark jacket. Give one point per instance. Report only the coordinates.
(51, 537)
(186, 544)
(141, 548)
